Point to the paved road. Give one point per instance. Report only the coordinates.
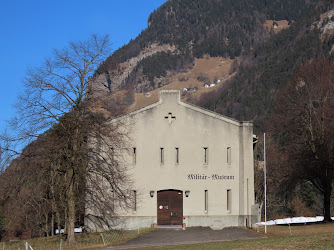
(164, 237)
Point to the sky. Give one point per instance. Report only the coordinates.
(31, 29)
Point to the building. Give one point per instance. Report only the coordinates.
(190, 166)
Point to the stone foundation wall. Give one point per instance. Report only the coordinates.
(135, 222)
(93, 224)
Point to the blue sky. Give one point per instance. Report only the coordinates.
(31, 29)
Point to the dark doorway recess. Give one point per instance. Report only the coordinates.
(170, 207)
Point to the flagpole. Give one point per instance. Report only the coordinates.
(265, 184)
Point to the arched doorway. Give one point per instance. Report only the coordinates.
(170, 207)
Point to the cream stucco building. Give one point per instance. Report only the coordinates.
(190, 166)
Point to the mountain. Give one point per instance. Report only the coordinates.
(231, 57)
(263, 72)
(182, 32)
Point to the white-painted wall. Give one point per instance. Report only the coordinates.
(192, 129)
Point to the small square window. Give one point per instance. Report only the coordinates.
(162, 155)
(206, 201)
(134, 155)
(229, 199)
(134, 200)
(113, 201)
(206, 155)
(112, 154)
(176, 155)
(229, 155)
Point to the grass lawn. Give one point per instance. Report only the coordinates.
(83, 241)
(316, 236)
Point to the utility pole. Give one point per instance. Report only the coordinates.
(265, 184)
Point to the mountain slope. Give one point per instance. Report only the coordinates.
(187, 29)
(271, 66)
(180, 31)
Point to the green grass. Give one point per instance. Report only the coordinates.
(319, 236)
(84, 241)
(323, 241)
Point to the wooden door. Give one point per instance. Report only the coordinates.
(170, 207)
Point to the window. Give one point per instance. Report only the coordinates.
(113, 201)
(134, 201)
(229, 155)
(134, 156)
(206, 200)
(112, 154)
(161, 155)
(229, 199)
(206, 154)
(176, 155)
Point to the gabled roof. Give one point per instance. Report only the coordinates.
(164, 92)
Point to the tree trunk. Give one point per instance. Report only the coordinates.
(58, 221)
(72, 180)
(327, 197)
(53, 200)
(71, 211)
(65, 221)
(46, 225)
(52, 224)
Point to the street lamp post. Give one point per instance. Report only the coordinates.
(265, 184)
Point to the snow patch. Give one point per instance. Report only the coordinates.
(294, 220)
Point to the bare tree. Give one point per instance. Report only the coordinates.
(6, 154)
(277, 205)
(106, 177)
(58, 95)
(303, 124)
(26, 188)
